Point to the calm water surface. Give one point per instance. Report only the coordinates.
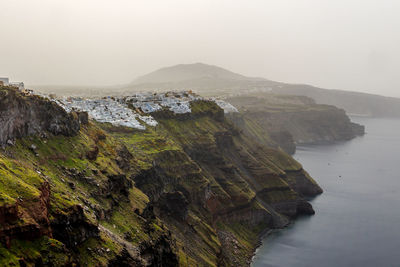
(357, 221)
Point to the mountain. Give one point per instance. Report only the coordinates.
(206, 79)
(287, 120)
(189, 190)
(188, 72)
(215, 81)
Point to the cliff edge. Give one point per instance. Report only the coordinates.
(192, 190)
(293, 120)
(23, 114)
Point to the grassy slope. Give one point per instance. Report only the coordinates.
(234, 177)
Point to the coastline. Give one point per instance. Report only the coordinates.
(261, 236)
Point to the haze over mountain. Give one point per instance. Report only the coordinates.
(113, 155)
(347, 44)
(187, 72)
(216, 81)
(206, 79)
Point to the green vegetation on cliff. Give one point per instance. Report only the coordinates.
(289, 120)
(192, 191)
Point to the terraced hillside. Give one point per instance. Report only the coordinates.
(191, 191)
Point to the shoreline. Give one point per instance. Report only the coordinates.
(261, 236)
(264, 234)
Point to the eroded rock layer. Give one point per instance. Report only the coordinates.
(22, 115)
(292, 120)
(192, 191)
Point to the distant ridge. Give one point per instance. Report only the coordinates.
(205, 79)
(187, 72)
(209, 80)
(212, 80)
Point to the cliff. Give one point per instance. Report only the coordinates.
(22, 115)
(290, 120)
(355, 103)
(191, 191)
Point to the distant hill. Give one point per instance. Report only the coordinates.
(354, 103)
(211, 80)
(189, 72)
(206, 79)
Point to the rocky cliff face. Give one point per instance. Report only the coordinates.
(22, 115)
(100, 195)
(294, 120)
(355, 103)
(310, 127)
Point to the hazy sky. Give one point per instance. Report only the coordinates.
(344, 44)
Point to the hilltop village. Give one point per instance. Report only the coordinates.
(135, 111)
(128, 111)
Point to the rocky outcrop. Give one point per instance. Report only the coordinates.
(22, 115)
(174, 204)
(301, 182)
(289, 121)
(247, 214)
(284, 139)
(314, 127)
(304, 208)
(8, 213)
(119, 184)
(159, 252)
(124, 259)
(72, 227)
(26, 220)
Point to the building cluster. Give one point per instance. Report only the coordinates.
(6, 82)
(108, 110)
(177, 102)
(134, 111)
(128, 111)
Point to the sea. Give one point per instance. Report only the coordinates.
(357, 220)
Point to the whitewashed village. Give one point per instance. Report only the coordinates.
(129, 111)
(135, 111)
(6, 82)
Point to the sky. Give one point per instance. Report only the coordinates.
(338, 44)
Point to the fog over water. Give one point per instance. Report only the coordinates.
(344, 44)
